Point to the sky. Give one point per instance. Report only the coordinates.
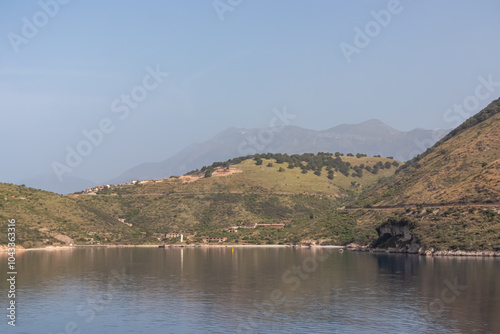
(141, 80)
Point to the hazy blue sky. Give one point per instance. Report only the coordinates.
(263, 55)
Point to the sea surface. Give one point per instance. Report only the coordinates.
(250, 290)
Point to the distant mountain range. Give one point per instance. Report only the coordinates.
(463, 167)
(444, 201)
(372, 137)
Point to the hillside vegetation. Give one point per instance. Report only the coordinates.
(371, 137)
(322, 174)
(461, 168)
(43, 218)
(451, 192)
(448, 195)
(302, 192)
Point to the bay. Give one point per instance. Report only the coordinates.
(251, 290)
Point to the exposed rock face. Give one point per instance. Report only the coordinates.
(64, 239)
(396, 237)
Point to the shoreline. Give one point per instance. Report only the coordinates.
(55, 248)
(185, 246)
(428, 253)
(431, 252)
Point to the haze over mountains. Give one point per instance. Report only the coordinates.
(448, 196)
(50, 182)
(445, 199)
(463, 167)
(372, 137)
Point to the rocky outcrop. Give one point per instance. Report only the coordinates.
(395, 236)
(64, 239)
(465, 253)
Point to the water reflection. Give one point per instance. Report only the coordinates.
(272, 290)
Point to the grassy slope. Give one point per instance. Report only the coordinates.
(462, 168)
(35, 209)
(263, 179)
(307, 202)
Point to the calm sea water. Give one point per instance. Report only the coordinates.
(264, 290)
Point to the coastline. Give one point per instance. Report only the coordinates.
(55, 248)
(429, 252)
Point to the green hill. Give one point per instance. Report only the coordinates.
(451, 192)
(303, 192)
(43, 218)
(461, 168)
(448, 197)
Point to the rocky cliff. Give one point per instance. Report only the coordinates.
(395, 236)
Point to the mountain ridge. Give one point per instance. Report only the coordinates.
(372, 137)
(468, 156)
(442, 200)
(448, 197)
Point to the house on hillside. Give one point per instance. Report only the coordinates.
(210, 239)
(93, 190)
(171, 236)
